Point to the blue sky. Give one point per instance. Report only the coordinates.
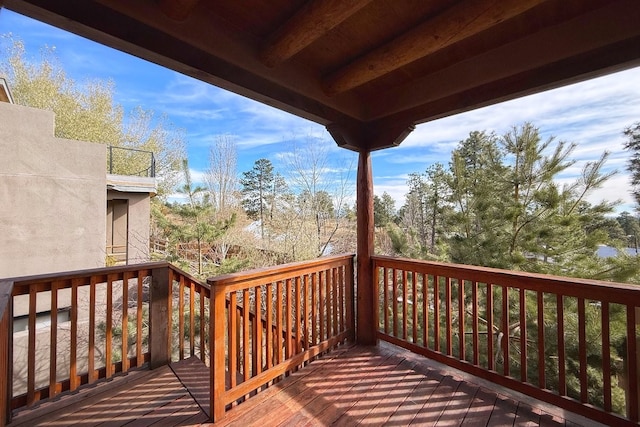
(592, 114)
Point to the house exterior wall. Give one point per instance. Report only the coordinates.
(52, 193)
(138, 217)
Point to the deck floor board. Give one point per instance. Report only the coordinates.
(352, 385)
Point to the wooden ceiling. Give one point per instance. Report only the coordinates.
(367, 69)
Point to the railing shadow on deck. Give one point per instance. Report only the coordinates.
(570, 342)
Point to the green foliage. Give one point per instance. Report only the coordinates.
(261, 191)
(191, 223)
(87, 112)
(499, 205)
(633, 164)
(383, 209)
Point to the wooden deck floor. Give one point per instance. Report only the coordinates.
(354, 385)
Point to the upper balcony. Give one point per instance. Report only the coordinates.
(456, 344)
(131, 170)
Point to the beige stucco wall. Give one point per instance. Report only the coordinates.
(52, 196)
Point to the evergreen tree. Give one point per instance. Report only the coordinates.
(261, 191)
(477, 195)
(383, 209)
(192, 222)
(633, 165)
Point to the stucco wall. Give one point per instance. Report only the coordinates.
(52, 197)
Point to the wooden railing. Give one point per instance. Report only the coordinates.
(119, 318)
(191, 321)
(570, 342)
(269, 322)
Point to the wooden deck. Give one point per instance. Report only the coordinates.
(381, 385)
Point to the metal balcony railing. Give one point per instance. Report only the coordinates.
(131, 162)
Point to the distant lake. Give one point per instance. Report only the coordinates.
(609, 252)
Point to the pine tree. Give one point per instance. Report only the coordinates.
(633, 165)
(261, 192)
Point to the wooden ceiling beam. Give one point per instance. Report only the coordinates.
(598, 62)
(463, 20)
(177, 10)
(546, 46)
(311, 22)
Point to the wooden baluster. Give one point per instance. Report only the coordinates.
(31, 363)
(270, 355)
(279, 326)
(436, 313)
(288, 321)
(307, 302)
(448, 314)
(321, 304)
(394, 301)
(505, 331)
(92, 329)
(461, 321)
(314, 309)
(139, 324)
(53, 342)
(562, 376)
(108, 347)
(632, 365)
(541, 343)
(490, 350)
(385, 298)
(425, 310)
(246, 312)
(74, 381)
(298, 325)
(192, 318)
(523, 335)
(606, 356)
(257, 332)
(340, 307)
(474, 326)
(329, 296)
(334, 304)
(414, 306)
(232, 338)
(125, 320)
(405, 310)
(582, 351)
(181, 318)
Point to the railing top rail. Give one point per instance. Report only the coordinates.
(622, 293)
(272, 272)
(130, 149)
(188, 276)
(66, 275)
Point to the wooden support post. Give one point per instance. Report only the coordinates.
(357, 136)
(366, 301)
(217, 314)
(160, 318)
(6, 349)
